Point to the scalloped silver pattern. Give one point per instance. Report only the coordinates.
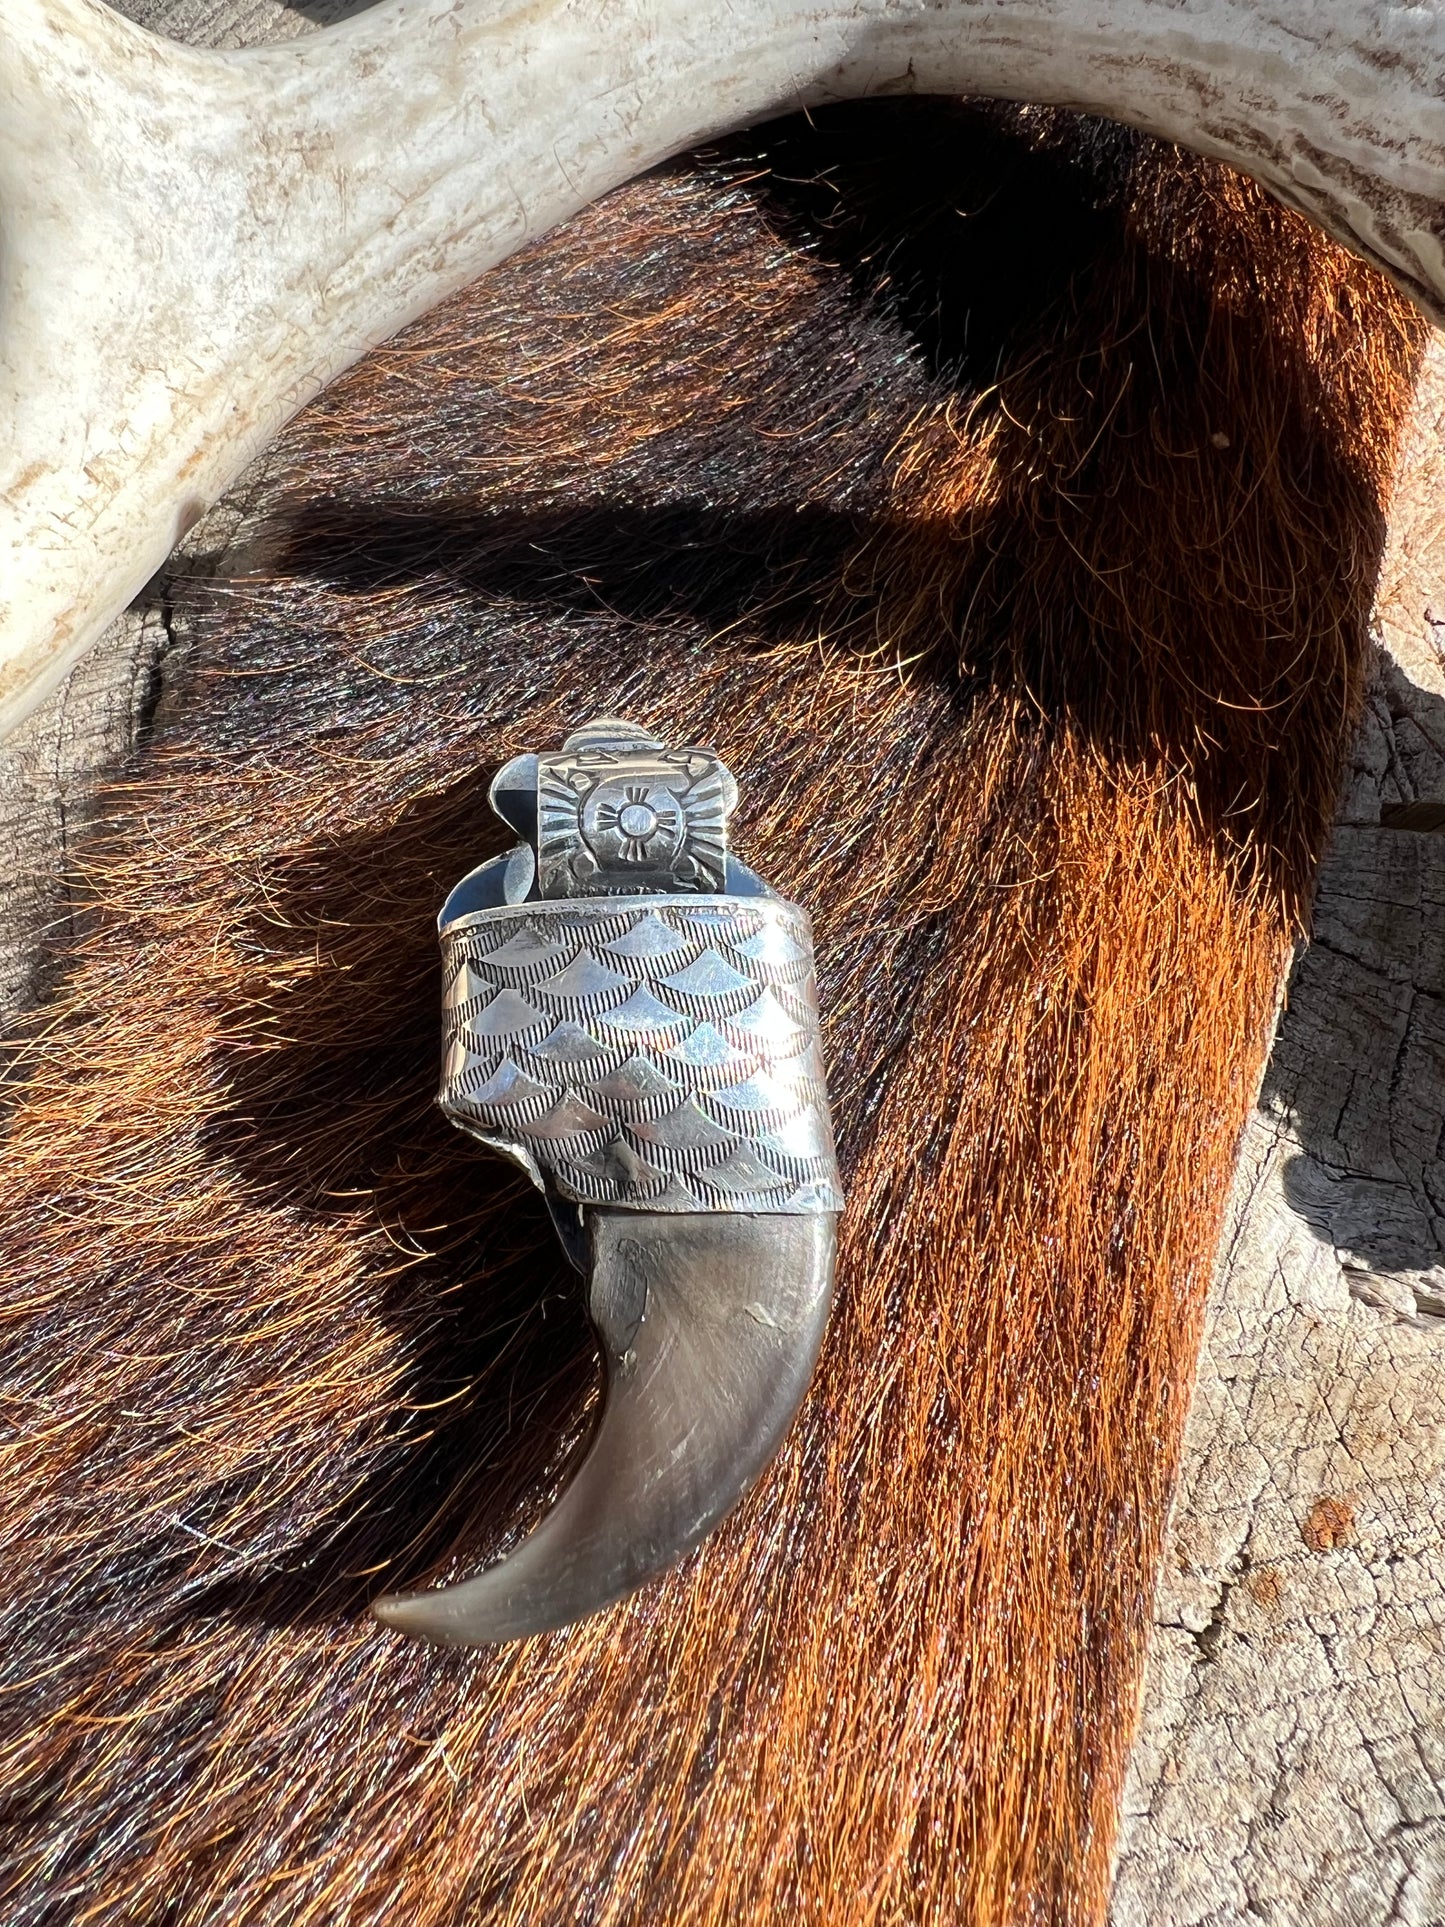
(660, 1054)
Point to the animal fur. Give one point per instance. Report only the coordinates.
(1003, 496)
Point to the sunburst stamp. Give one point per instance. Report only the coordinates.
(619, 814)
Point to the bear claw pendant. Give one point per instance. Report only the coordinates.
(631, 1015)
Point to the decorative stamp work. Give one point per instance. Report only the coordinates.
(620, 814)
(656, 1052)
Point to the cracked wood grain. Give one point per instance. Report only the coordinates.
(52, 764)
(1290, 1765)
(48, 774)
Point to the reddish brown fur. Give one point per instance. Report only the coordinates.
(1066, 669)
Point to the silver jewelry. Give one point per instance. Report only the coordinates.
(631, 1015)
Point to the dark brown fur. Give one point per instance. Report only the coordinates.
(1034, 644)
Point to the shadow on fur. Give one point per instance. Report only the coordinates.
(1031, 624)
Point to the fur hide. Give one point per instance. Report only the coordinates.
(1003, 496)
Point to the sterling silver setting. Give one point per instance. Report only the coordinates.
(660, 1053)
(620, 814)
(631, 1015)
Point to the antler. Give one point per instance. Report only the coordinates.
(193, 243)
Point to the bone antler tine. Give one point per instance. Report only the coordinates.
(195, 243)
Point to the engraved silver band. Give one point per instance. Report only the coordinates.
(654, 1052)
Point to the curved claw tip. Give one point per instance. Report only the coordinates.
(700, 1391)
(400, 1610)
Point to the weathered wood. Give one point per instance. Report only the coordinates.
(1291, 1762)
(48, 773)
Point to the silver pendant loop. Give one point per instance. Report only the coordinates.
(617, 814)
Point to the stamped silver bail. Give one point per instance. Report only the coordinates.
(631, 1014)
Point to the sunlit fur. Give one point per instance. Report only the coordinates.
(1036, 690)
